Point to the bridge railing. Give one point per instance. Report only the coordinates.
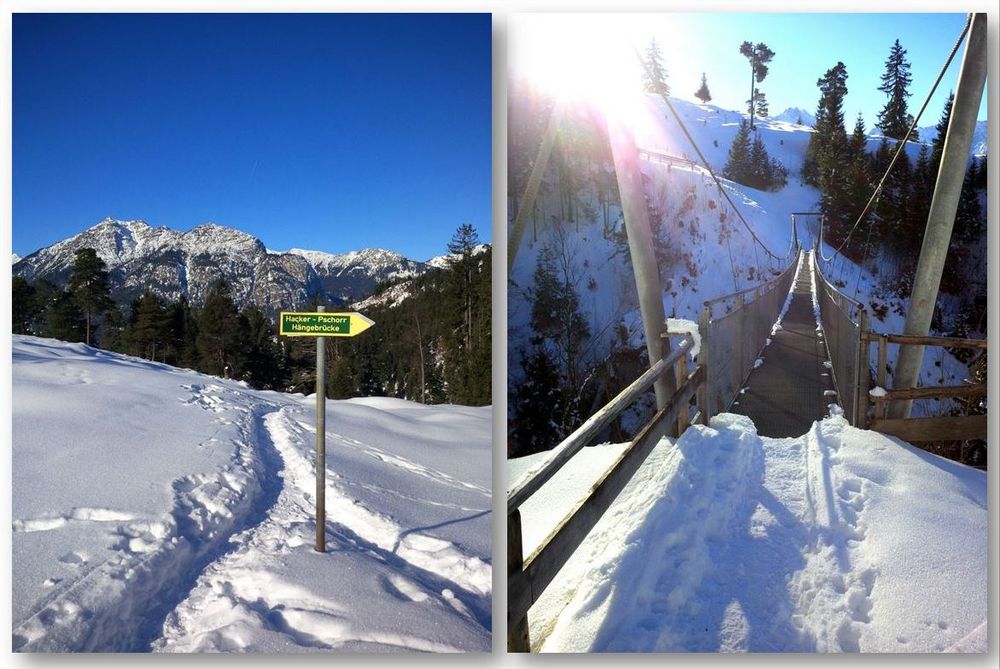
(734, 328)
(930, 428)
(845, 324)
(527, 577)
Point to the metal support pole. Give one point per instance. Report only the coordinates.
(320, 442)
(944, 204)
(534, 182)
(640, 246)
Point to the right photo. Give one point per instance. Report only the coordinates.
(747, 333)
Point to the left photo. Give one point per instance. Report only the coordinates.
(251, 315)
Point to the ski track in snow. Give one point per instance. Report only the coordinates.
(244, 590)
(118, 604)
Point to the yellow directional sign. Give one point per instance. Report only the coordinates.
(322, 324)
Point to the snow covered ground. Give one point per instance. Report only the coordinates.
(839, 540)
(160, 509)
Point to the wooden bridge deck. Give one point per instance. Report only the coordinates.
(786, 393)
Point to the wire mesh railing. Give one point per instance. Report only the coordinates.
(844, 322)
(734, 329)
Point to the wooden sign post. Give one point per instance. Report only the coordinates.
(321, 324)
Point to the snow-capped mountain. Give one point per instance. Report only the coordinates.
(14, 258)
(355, 275)
(172, 263)
(980, 138)
(796, 115)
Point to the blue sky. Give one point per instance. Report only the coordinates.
(554, 48)
(327, 132)
(806, 46)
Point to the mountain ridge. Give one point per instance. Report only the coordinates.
(172, 264)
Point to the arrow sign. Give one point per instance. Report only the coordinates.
(322, 324)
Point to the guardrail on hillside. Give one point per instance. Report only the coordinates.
(731, 341)
(527, 577)
(845, 323)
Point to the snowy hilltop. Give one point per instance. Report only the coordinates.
(161, 509)
(174, 264)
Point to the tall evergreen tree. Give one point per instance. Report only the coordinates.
(937, 145)
(22, 306)
(830, 136)
(63, 319)
(89, 286)
(219, 338)
(759, 56)
(147, 330)
(655, 74)
(894, 120)
(703, 93)
(739, 165)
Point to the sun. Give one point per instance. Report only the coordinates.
(579, 59)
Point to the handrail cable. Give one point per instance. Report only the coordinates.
(902, 143)
(704, 161)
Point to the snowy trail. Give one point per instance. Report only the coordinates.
(179, 515)
(726, 541)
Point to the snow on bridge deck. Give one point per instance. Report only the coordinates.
(791, 387)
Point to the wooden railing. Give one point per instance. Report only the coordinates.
(527, 577)
(936, 428)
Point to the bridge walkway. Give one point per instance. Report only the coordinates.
(791, 389)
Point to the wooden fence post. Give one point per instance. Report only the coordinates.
(704, 392)
(518, 639)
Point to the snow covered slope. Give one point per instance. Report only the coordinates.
(839, 540)
(158, 508)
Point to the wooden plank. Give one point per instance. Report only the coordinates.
(535, 477)
(518, 639)
(931, 392)
(525, 587)
(883, 359)
(930, 340)
(941, 428)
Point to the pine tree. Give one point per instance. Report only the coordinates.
(654, 75)
(702, 93)
(89, 285)
(63, 319)
(937, 145)
(894, 120)
(759, 105)
(738, 165)
(759, 56)
(22, 306)
(826, 144)
(859, 178)
(147, 332)
(536, 404)
(219, 337)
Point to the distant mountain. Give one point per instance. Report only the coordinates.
(15, 258)
(796, 115)
(172, 264)
(980, 138)
(355, 275)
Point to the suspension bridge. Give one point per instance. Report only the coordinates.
(780, 353)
